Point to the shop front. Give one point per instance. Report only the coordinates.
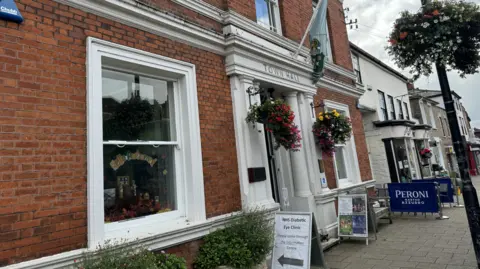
(400, 150)
(423, 152)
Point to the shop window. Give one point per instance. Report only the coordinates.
(400, 110)
(356, 68)
(391, 109)
(425, 163)
(447, 126)
(268, 14)
(443, 126)
(144, 159)
(383, 106)
(401, 157)
(407, 113)
(347, 171)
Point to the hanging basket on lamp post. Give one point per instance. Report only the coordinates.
(444, 32)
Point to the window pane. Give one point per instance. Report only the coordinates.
(407, 114)
(400, 110)
(340, 162)
(138, 181)
(392, 107)
(136, 107)
(401, 156)
(262, 12)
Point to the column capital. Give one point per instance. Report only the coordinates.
(309, 95)
(246, 79)
(291, 94)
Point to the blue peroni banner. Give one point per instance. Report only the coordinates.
(413, 197)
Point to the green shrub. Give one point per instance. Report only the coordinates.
(119, 255)
(245, 242)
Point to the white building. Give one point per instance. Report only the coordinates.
(389, 128)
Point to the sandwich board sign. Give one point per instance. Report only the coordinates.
(297, 243)
(9, 11)
(352, 216)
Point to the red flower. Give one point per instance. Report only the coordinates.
(393, 41)
(279, 119)
(403, 35)
(435, 12)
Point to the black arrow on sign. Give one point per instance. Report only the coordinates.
(295, 262)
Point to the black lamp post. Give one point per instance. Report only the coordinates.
(470, 197)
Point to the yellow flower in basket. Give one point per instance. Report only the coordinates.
(320, 118)
(335, 113)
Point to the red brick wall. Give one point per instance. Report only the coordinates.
(244, 7)
(188, 251)
(43, 121)
(222, 4)
(358, 132)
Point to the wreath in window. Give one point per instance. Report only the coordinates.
(331, 128)
(277, 117)
(444, 32)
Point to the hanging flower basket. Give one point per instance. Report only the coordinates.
(444, 32)
(278, 120)
(331, 128)
(426, 153)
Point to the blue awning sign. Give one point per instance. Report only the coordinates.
(9, 11)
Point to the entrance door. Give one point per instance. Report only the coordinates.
(272, 166)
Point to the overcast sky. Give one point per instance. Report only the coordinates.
(375, 20)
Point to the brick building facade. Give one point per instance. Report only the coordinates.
(72, 61)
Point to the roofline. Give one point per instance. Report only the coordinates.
(440, 94)
(377, 61)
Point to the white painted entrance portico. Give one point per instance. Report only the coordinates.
(254, 63)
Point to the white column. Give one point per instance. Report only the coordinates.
(301, 182)
(308, 118)
(250, 142)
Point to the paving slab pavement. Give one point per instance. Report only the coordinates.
(411, 242)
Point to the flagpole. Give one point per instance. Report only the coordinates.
(308, 29)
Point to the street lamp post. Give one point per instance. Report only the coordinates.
(470, 197)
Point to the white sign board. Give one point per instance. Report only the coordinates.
(293, 237)
(352, 215)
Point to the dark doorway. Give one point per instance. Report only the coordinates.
(272, 167)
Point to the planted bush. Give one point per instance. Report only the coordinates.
(118, 255)
(244, 243)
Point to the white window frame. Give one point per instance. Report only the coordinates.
(422, 111)
(356, 68)
(383, 115)
(277, 23)
(188, 148)
(392, 115)
(350, 153)
(400, 114)
(407, 111)
(432, 117)
(329, 56)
